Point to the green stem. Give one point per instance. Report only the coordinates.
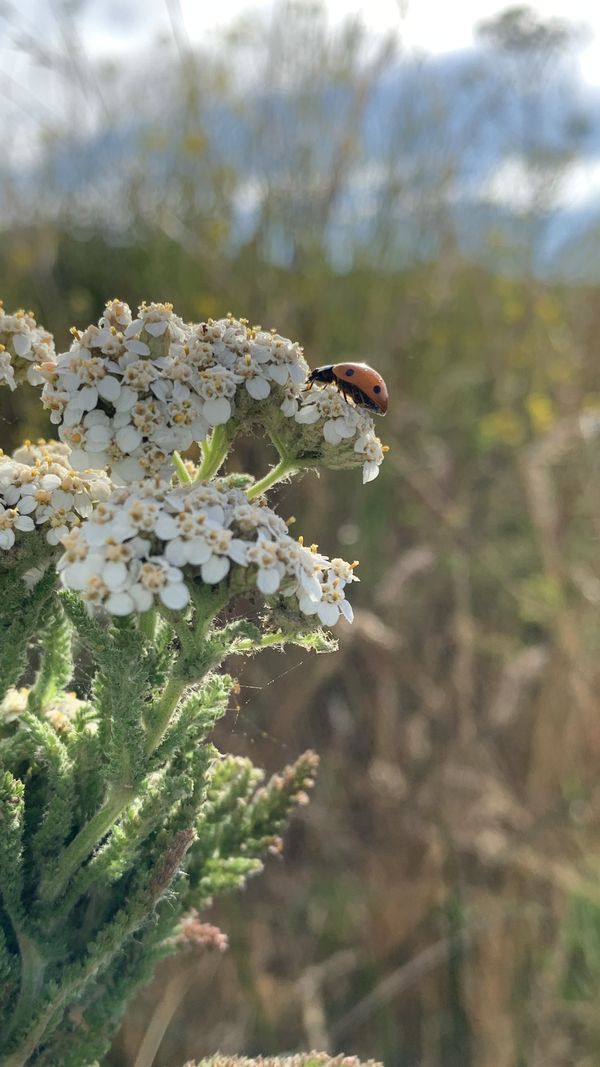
(163, 711)
(214, 451)
(276, 474)
(33, 967)
(148, 624)
(181, 470)
(26, 1050)
(54, 883)
(245, 644)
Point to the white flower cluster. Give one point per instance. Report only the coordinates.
(343, 422)
(148, 541)
(130, 392)
(38, 487)
(23, 345)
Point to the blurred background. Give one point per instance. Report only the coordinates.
(416, 185)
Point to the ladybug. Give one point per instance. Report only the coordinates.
(357, 382)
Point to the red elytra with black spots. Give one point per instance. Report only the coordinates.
(357, 381)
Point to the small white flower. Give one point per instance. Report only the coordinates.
(158, 576)
(7, 374)
(370, 446)
(250, 372)
(11, 520)
(147, 543)
(332, 604)
(264, 555)
(23, 345)
(46, 492)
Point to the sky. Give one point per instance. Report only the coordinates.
(30, 94)
(32, 98)
(433, 26)
(108, 27)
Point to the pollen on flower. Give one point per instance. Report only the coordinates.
(136, 390)
(24, 345)
(150, 544)
(39, 489)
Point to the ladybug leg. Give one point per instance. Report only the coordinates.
(349, 392)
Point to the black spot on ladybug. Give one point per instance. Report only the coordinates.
(349, 372)
(376, 388)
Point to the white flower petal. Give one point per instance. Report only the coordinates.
(197, 552)
(330, 432)
(311, 586)
(297, 373)
(217, 412)
(155, 329)
(165, 527)
(98, 438)
(7, 539)
(127, 398)
(176, 552)
(238, 550)
(96, 418)
(308, 414)
(26, 504)
(139, 348)
(114, 575)
(370, 472)
(289, 407)
(86, 398)
(128, 439)
(215, 569)
(328, 613)
(278, 372)
(174, 596)
(127, 470)
(21, 343)
(120, 604)
(76, 575)
(267, 580)
(258, 388)
(308, 607)
(24, 523)
(109, 388)
(141, 597)
(56, 534)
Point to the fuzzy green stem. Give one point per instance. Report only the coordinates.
(148, 624)
(181, 470)
(91, 834)
(276, 474)
(21, 1056)
(33, 967)
(163, 712)
(246, 644)
(54, 884)
(214, 452)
